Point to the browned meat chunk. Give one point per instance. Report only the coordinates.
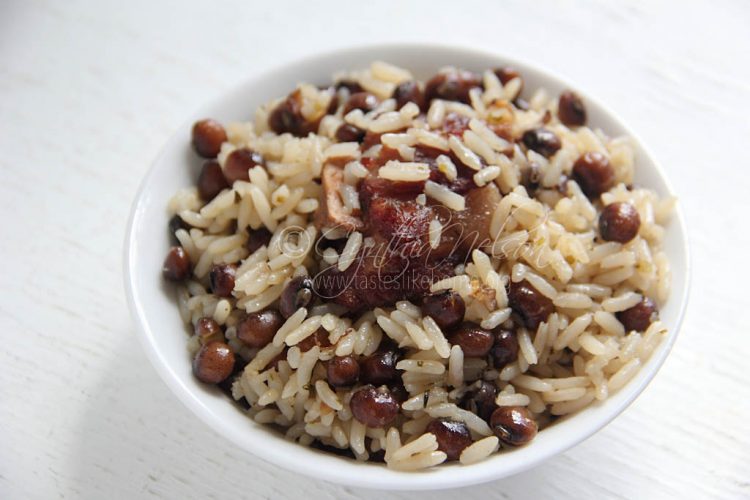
(287, 116)
(331, 212)
(401, 264)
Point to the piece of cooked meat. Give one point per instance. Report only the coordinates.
(331, 213)
(469, 229)
(399, 262)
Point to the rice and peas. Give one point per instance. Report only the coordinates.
(551, 307)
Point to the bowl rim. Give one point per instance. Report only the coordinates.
(422, 480)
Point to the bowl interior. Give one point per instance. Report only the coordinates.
(164, 337)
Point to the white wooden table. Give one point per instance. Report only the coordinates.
(90, 91)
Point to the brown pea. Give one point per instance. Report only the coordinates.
(593, 173)
(211, 180)
(274, 363)
(177, 265)
(298, 293)
(640, 316)
(221, 278)
(506, 74)
(206, 328)
(342, 371)
(407, 92)
(505, 348)
(513, 425)
(451, 86)
(380, 367)
(176, 223)
(447, 308)
(542, 140)
(399, 392)
(258, 329)
(619, 222)
(452, 436)
(319, 338)
(571, 110)
(257, 238)
(214, 362)
(349, 133)
(374, 407)
(208, 136)
(350, 85)
(287, 117)
(474, 341)
(333, 104)
(361, 100)
(239, 162)
(529, 304)
(481, 401)
(531, 177)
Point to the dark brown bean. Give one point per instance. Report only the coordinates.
(298, 293)
(361, 100)
(176, 223)
(399, 392)
(474, 341)
(333, 104)
(374, 456)
(221, 278)
(406, 92)
(239, 162)
(257, 238)
(352, 86)
(319, 338)
(380, 367)
(640, 316)
(451, 86)
(349, 133)
(529, 303)
(542, 140)
(208, 136)
(506, 74)
(206, 328)
(342, 371)
(513, 425)
(505, 348)
(452, 436)
(571, 110)
(214, 362)
(593, 173)
(374, 407)
(481, 401)
(177, 265)
(287, 117)
(211, 180)
(620, 222)
(274, 363)
(258, 329)
(447, 308)
(531, 177)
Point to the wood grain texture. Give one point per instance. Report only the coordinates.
(89, 92)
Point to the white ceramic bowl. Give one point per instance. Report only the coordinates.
(163, 336)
